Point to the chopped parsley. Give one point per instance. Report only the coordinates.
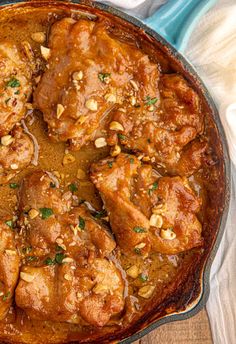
(17, 92)
(149, 140)
(73, 187)
(154, 187)
(31, 258)
(143, 277)
(100, 214)
(103, 76)
(14, 185)
(9, 223)
(110, 163)
(27, 249)
(46, 213)
(131, 160)
(137, 250)
(13, 82)
(7, 100)
(6, 296)
(49, 261)
(52, 185)
(121, 136)
(139, 229)
(59, 248)
(81, 223)
(59, 258)
(150, 101)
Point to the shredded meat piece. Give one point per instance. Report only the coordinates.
(9, 267)
(15, 156)
(87, 65)
(133, 194)
(77, 281)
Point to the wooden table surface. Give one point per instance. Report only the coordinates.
(192, 331)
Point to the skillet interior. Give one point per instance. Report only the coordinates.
(192, 286)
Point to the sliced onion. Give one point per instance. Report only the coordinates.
(35, 142)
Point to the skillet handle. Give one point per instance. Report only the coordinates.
(176, 19)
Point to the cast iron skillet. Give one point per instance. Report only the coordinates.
(175, 22)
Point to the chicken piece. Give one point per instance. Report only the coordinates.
(9, 267)
(45, 294)
(146, 211)
(69, 277)
(16, 68)
(180, 104)
(62, 293)
(16, 155)
(167, 135)
(89, 73)
(106, 298)
(47, 216)
(114, 179)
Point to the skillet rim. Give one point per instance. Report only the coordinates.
(189, 69)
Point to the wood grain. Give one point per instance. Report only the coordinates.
(192, 331)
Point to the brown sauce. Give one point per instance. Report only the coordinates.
(162, 270)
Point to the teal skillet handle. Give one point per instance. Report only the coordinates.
(176, 19)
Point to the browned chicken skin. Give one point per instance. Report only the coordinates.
(16, 68)
(89, 73)
(71, 277)
(15, 156)
(9, 266)
(166, 136)
(147, 212)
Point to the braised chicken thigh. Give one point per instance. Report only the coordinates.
(147, 212)
(164, 129)
(110, 159)
(17, 65)
(89, 73)
(16, 69)
(71, 276)
(16, 155)
(9, 266)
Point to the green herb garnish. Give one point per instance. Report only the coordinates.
(59, 248)
(27, 249)
(59, 258)
(150, 101)
(131, 160)
(103, 76)
(52, 185)
(137, 250)
(73, 187)
(13, 82)
(49, 261)
(110, 163)
(121, 136)
(81, 223)
(14, 185)
(7, 100)
(139, 229)
(9, 223)
(149, 140)
(154, 187)
(6, 296)
(31, 258)
(46, 213)
(143, 277)
(17, 92)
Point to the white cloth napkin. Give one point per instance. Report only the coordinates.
(212, 50)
